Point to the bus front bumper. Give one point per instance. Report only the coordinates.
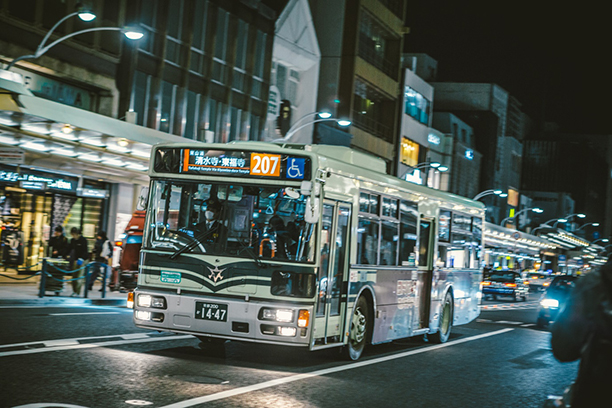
(227, 318)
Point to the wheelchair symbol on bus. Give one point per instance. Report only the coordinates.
(295, 168)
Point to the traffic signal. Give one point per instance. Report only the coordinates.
(283, 121)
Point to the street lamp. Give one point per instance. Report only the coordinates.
(595, 224)
(489, 192)
(534, 209)
(324, 117)
(601, 239)
(85, 15)
(567, 217)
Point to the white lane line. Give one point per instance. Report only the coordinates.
(318, 373)
(58, 343)
(133, 336)
(92, 345)
(125, 336)
(528, 325)
(84, 313)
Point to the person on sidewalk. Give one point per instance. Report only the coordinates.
(103, 251)
(58, 244)
(79, 256)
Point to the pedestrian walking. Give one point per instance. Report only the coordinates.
(583, 330)
(58, 244)
(79, 256)
(103, 251)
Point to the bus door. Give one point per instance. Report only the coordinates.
(334, 248)
(426, 240)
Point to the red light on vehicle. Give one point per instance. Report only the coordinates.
(526, 282)
(511, 285)
(485, 283)
(546, 283)
(118, 243)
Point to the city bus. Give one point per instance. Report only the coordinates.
(314, 246)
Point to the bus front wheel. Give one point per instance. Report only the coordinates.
(358, 331)
(446, 321)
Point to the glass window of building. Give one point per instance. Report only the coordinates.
(175, 20)
(148, 22)
(409, 153)
(374, 45)
(417, 106)
(221, 43)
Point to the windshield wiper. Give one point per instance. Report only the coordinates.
(251, 253)
(197, 240)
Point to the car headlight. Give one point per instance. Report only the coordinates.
(151, 301)
(549, 303)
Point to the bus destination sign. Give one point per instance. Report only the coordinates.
(249, 164)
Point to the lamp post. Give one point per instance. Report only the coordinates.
(534, 209)
(296, 126)
(85, 15)
(601, 239)
(567, 218)
(489, 192)
(595, 224)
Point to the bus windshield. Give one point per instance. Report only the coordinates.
(223, 219)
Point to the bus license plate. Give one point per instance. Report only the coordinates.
(211, 311)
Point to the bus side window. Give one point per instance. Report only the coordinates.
(367, 242)
(408, 233)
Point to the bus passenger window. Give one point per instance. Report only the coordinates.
(408, 233)
(367, 242)
(388, 243)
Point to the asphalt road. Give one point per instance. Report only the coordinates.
(95, 357)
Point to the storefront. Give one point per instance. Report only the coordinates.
(509, 249)
(33, 203)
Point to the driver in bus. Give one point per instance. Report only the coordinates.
(212, 228)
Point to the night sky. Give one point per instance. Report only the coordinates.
(554, 60)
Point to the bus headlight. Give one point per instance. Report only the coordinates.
(277, 315)
(151, 301)
(287, 331)
(142, 315)
(549, 303)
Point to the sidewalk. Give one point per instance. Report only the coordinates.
(26, 292)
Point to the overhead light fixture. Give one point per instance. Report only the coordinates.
(90, 157)
(67, 129)
(62, 151)
(136, 166)
(123, 142)
(140, 153)
(8, 140)
(38, 147)
(114, 162)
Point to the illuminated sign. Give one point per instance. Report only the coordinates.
(469, 154)
(92, 193)
(249, 164)
(33, 185)
(433, 139)
(414, 177)
(52, 183)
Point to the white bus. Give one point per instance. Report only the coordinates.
(303, 245)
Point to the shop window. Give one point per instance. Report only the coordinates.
(409, 152)
(417, 106)
(389, 207)
(368, 203)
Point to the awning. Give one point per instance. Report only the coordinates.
(73, 140)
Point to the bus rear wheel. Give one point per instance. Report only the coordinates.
(446, 321)
(358, 331)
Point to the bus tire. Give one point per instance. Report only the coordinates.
(358, 330)
(446, 321)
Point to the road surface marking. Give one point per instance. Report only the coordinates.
(57, 343)
(528, 325)
(92, 345)
(84, 313)
(326, 371)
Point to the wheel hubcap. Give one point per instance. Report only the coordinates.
(358, 326)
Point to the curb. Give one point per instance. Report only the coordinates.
(63, 302)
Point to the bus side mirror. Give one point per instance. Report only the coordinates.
(311, 212)
(143, 199)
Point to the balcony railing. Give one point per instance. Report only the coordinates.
(371, 56)
(372, 126)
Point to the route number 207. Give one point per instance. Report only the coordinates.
(265, 164)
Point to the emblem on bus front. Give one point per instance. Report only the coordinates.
(215, 274)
